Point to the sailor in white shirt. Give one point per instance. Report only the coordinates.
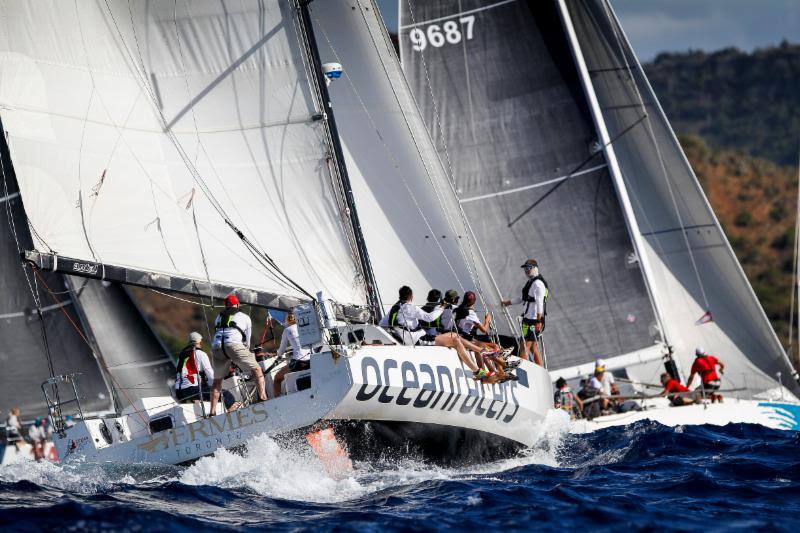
(534, 295)
(403, 320)
(301, 357)
(231, 344)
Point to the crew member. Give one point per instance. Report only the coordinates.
(37, 434)
(403, 320)
(231, 345)
(193, 366)
(431, 327)
(604, 383)
(300, 358)
(565, 399)
(14, 427)
(673, 386)
(534, 296)
(706, 365)
(468, 324)
(447, 321)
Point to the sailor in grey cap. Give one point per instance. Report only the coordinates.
(534, 296)
(195, 373)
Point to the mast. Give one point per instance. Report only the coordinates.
(613, 164)
(373, 298)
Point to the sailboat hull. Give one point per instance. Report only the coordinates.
(420, 401)
(771, 414)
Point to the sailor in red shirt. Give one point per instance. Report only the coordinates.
(671, 386)
(706, 366)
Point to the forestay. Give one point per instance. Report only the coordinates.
(142, 133)
(500, 93)
(414, 229)
(696, 274)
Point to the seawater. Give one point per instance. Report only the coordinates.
(641, 477)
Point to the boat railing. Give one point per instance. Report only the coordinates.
(59, 392)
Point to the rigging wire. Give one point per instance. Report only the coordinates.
(450, 173)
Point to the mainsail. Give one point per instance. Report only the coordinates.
(190, 147)
(23, 350)
(498, 89)
(545, 79)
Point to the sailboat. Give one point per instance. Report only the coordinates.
(559, 149)
(195, 148)
(95, 328)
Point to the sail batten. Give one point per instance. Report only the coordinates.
(145, 133)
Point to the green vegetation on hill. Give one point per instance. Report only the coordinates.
(755, 201)
(733, 99)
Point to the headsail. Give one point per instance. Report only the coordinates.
(180, 141)
(502, 98)
(22, 351)
(707, 300)
(413, 225)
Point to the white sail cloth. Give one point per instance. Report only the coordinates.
(126, 118)
(413, 226)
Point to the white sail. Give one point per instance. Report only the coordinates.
(413, 226)
(141, 132)
(704, 296)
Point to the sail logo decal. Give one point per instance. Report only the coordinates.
(785, 414)
(440, 387)
(85, 268)
(450, 32)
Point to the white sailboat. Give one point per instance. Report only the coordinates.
(561, 151)
(195, 148)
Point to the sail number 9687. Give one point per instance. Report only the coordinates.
(450, 32)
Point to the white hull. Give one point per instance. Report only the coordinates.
(393, 384)
(776, 415)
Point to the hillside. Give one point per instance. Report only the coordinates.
(755, 201)
(733, 99)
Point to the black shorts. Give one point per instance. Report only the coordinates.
(296, 365)
(529, 329)
(466, 336)
(711, 386)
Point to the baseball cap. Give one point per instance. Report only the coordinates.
(530, 263)
(451, 296)
(231, 301)
(195, 337)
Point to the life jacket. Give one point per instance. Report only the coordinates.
(440, 322)
(393, 312)
(566, 399)
(460, 314)
(226, 321)
(529, 299)
(186, 359)
(436, 323)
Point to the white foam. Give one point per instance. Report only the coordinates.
(293, 471)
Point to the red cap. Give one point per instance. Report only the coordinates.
(469, 298)
(231, 301)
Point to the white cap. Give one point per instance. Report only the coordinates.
(195, 337)
(600, 363)
(699, 351)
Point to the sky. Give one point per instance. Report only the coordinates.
(655, 26)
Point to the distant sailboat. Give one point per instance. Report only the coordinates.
(559, 149)
(181, 130)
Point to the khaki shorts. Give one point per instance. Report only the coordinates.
(237, 354)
